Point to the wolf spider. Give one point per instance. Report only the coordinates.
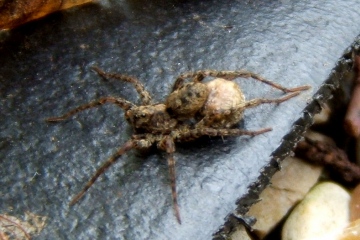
(193, 109)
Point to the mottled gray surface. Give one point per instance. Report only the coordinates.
(45, 71)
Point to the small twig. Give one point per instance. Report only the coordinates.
(328, 154)
(35, 174)
(352, 118)
(17, 225)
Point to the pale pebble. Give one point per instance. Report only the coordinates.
(287, 188)
(322, 215)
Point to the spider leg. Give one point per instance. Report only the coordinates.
(230, 75)
(257, 101)
(196, 77)
(126, 147)
(145, 95)
(191, 134)
(167, 144)
(124, 104)
(247, 74)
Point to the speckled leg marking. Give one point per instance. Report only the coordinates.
(124, 104)
(126, 147)
(230, 75)
(258, 101)
(167, 144)
(192, 134)
(140, 141)
(145, 95)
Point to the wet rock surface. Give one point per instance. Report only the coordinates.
(45, 71)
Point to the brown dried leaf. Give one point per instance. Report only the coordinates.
(16, 12)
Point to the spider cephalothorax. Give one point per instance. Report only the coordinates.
(151, 118)
(193, 109)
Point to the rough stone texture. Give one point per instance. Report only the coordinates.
(323, 214)
(288, 187)
(45, 70)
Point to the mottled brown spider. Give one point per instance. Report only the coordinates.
(193, 109)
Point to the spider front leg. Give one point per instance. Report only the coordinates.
(126, 105)
(145, 95)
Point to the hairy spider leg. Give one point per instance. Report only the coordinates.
(140, 141)
(185, 134)
(253, 103)
(257, 101)
(192, 134)
(124, 104)
(145, 95)
(195, 76)
(126, 147)
(230, 75)
(167, 144)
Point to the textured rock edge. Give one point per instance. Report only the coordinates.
(289, 141)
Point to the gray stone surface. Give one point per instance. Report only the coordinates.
(45, 71)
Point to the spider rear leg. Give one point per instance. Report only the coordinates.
(124, 104)
(230, 75)
(258, 101)
(126, 147)
(145, 95)
(167, 144)
(225, 132)
(192, 134)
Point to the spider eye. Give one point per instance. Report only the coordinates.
(139, 115)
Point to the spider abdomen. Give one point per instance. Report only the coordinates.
(224, 106)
